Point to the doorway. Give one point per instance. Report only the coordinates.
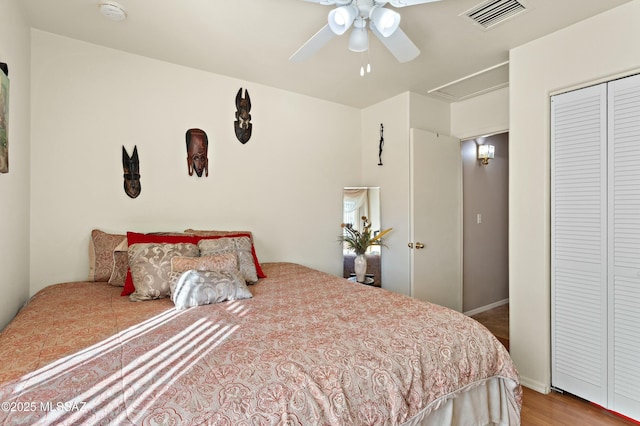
(486, 230)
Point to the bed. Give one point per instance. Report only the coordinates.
(307, 348)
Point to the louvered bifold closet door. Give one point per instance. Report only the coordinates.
(578, 243)
(624, 246)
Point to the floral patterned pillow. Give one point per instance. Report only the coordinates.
(212, 234)
(120, 267)
(218, 262)
(150, 265)
(240, 246)
(101, 248)
(195, 288)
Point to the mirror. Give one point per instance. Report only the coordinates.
(358, 201)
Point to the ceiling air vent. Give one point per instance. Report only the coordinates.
(493, 12)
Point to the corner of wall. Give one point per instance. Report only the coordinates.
(15, 185)
(481, 115)
(429, 113)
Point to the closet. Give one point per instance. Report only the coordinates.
(595, 244)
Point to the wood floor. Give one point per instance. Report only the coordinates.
(553, 409)
(497, 321)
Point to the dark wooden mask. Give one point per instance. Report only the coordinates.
(197, 152)
(243, 124)
(131, 167)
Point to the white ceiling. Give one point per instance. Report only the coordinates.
(252, 40)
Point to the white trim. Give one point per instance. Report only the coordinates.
(486, 307)
(535, 385)
(475, 74)
(487, 135)
(595, 82)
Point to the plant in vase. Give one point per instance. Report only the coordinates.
(359, 241)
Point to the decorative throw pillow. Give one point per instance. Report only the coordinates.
(101, 248)
(218, 262)
(138, 238)
(241, 246)
(195, 288)
(150, 265)
(120, 267)
(202, 234)
(213, 233)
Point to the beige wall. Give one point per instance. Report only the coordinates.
(392, 178)
(285, 184)
(14, 186)
(486, 244)
(599, 48)
(430, 114)
(481, 115)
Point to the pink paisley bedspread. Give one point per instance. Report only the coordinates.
(307, 349)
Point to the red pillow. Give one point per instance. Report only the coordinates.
(259, 271)
(137, 238)
(128, 284)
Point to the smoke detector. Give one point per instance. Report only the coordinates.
(112, 10)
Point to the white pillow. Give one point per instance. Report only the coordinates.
(196, 288)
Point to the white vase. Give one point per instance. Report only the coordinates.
(360, 267)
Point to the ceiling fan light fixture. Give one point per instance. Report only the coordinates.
(341, 18)
(359, 39)
(385, 20)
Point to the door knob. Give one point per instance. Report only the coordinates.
(419, 245)
(410, 245)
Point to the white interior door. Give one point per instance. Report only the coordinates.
(436, 218)
(624, 245)
(578, 243)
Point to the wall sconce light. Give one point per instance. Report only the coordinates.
(485, 153)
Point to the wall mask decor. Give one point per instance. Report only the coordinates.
(243, 124)
(131, 167)
(197, 147)
(4, 118)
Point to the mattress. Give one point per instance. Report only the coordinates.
(308, 348)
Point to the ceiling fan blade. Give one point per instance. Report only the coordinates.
(398, 44)
(403, 3)
(312, 45)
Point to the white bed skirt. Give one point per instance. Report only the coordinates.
(490, 402)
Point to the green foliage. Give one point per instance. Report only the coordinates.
(359, 241)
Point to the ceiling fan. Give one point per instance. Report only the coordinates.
(383, 22)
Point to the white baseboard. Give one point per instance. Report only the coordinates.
(486, 307)
(535, 385)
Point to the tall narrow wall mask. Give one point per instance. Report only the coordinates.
(243, 124)
(197, 147)
(131, 167)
